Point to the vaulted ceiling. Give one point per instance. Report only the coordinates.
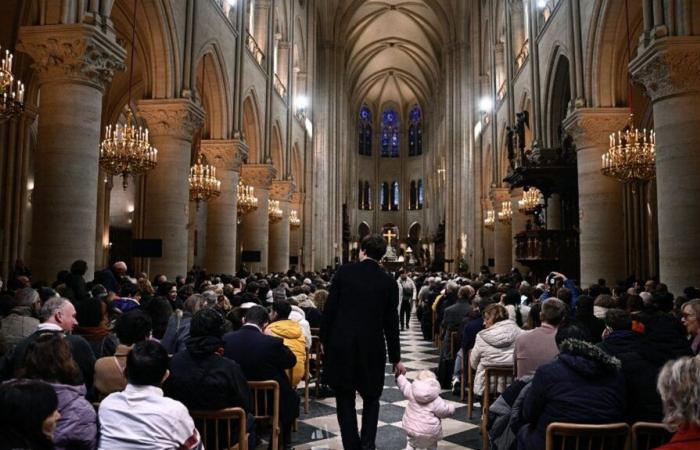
(393, 48)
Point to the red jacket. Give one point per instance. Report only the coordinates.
(686, 438)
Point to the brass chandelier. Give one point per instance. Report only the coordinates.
(203, 182)
(530, 201)
(490, 219)
(632, 155)
(11, 92)
(505, 215)
(245, 199)
(126, 149)
(294, 220)
(274, 211)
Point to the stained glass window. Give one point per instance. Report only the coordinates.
(384, 196)
(390, 133)
(365, 131)
(415, 132)
(421, 194)
(395, 196)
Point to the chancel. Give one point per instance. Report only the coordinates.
(393, 209)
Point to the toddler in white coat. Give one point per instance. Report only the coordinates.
(422, 419)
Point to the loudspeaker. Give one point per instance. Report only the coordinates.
(293, 260)
(492, 262)
(251, 256)
(147, 248)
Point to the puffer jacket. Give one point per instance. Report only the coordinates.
(299, 316)
(77, 427)
(494, 346)
(425, 408)
(294, 339)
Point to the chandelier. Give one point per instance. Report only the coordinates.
(274, 211)
(294, 220)
(11, 92)
(203, 182)
(505, 215)
(125, 149)
(246, 200)
(632, 155)
(490, 219)
(530, 201)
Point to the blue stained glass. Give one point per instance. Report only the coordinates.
(421, 194)
(396, 195)
(365, 125)
(415, 114)
(390, 133)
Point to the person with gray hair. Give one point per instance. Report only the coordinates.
(679, 386)
(57, 316)
(21, 321)
(179, 324)
(690, 316)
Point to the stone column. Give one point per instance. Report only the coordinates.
(73, 64)
(279, 231)
(260, 18)
(283, 62)
(601, 238)
(255, 226)
(295, 235)
(518, 225)
(669, 69)
(172, 124)
(554, 213)
(503, 236)
(222, 217)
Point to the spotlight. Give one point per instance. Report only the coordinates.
(485, 104)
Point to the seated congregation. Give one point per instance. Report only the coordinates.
(123, 362)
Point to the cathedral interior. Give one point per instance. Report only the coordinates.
(269, 135)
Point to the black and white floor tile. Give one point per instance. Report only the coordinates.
(319, 430)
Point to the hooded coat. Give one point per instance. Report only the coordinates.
(294, 339)
(583, 385)
(77, 427)
(425, 408)
(494, 346)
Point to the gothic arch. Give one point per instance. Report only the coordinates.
(363, 230)
(297, 167)
(557, 97)
(213, 89)
(414, 232)
(251, 128)
(276, 152)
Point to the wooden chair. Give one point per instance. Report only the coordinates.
(263, 392)
(649, 435)
(316, 356)
(454, 343)
(205, 420)
(467, 377)
(315, 331)
(574, 436)
(493, 375)
(436, 332)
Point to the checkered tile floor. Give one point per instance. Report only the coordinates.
(319, 429)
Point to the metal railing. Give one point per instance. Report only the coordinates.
(254, 49)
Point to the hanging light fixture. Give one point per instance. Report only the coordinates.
(126, 149)
(530, 201)
(490, 219)
(274, 211)
(245, 199)
(203, 182)
(505, 215)
(294, 220)
(11, 91)
(632, 153)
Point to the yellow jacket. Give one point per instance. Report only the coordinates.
(293, 336)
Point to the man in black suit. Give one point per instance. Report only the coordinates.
(361, 311)
(264, 357)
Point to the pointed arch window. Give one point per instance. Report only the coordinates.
(412, 196)
(360, 195)
(390, 133)
(395, 196)
(368, 196)
(365, 131)
(421, 195)
(364, 197)
(415, 132)
(384, 196)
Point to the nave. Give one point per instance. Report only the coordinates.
(319, 430)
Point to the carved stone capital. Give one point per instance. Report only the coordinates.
(668, 67)
(77, 53)
(282, 190)
(591, 127)
(225, 154)
(499, 195)
(179, 117)
(298, 199)
(259, 176)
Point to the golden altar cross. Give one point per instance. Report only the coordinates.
(389, 235)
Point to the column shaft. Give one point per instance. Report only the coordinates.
(601, 238)
(255, 226)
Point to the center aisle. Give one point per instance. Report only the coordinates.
(319, 429)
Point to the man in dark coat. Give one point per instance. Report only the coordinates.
(263, 357)
(202, 379)
(361, 311)
(583, 385)
(643, 400)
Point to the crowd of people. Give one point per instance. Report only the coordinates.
(150, 350)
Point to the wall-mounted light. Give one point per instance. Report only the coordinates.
(231, 2)
(485, 104)
(541, 4)
(130, 209)
(301, 102)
